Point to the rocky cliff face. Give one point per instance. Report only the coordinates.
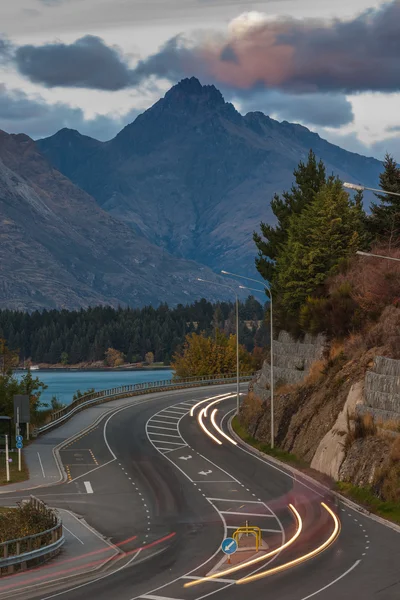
(194, 176)
(342, 418)
(59, 249)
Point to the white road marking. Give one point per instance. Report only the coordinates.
(88, 487)
(160, 427)
(163, 422)
(153, 597)
(234, 500)
(205, 472)
(185, 457)
(214, 481)
(163, 434)
(41, 465)
(167, 442)
(230, 512)
(73, 535)
(160, 416)
(169, 450)
(175, 411)
(334, 581)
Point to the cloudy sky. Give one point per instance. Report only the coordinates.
(93, 65)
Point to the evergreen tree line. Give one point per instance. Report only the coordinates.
(320, 227)
(72, 337)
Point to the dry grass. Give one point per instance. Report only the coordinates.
(389, 425)
(287, 388)
(336, 349)
(315, 373)
(359, 426)
(395, 451)
(354, 344)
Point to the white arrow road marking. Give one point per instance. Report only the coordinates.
(185, 457)
(88, 487)
(205, 472)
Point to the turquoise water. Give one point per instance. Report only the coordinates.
(64, 384)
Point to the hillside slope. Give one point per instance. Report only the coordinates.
(59, 249)
(195, 176)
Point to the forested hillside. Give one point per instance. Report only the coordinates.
(72, 337)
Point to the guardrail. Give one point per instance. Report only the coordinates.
(60, 416)
(28, 551)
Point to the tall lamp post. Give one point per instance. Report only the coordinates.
(268, 289)
(362, 188)
(237, 335)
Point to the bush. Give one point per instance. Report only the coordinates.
(386, 332)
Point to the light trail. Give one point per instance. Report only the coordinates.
(254, 561)
(207, 400)
(216, 402)
(301, 559)
(214, 412)
(204, 428)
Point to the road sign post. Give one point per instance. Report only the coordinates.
(229, 546)
(7, 460)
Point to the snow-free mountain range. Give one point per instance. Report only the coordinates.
(174, 196)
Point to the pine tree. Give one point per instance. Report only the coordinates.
(384, 222)
(309, 179)
(320, 238)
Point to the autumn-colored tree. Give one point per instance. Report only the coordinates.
(149, 358)
(215, 355)
(113, 358)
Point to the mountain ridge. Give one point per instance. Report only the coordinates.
(195, 177)
(59, 249)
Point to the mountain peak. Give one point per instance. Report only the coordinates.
(190, 89)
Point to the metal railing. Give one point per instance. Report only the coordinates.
(31, 549)
(59, 416)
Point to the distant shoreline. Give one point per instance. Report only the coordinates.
(97, 369)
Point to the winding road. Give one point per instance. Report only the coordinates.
(165, 483)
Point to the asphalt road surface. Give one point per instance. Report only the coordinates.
(165, 493)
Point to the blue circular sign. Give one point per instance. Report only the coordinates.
(229, 545)
(19, 438)
(19, 445)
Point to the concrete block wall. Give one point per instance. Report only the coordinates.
(382, 390)
(292, 361)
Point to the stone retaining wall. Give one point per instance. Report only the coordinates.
(292, 362)
(382, 390)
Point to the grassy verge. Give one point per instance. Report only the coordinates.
(15, 475)
(365, 497)
(282, 455)
(362, 496)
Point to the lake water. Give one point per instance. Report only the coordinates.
(64, 384)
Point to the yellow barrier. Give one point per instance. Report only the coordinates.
(248, 529)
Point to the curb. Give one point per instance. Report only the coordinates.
(346, 501)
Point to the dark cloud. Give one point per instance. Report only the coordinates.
(297, 56)
(87, 63)
(20, 113)
(300, 56)
(326, 110)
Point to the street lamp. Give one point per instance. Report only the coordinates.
(376, 255)
(237, 335)
(266, 287)
(361, 188)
